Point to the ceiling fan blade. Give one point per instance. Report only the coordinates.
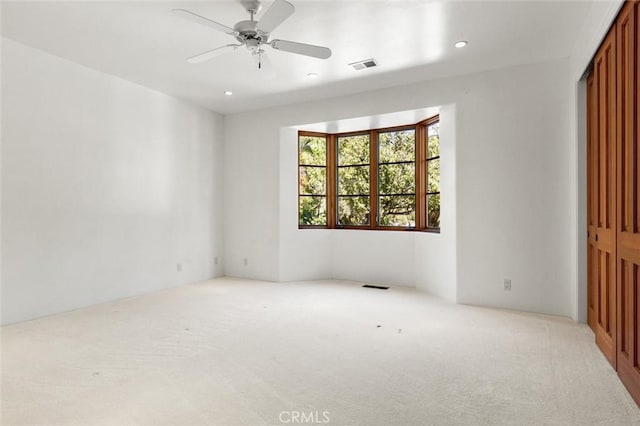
(210, 54)
(194, 17)
(279, 11)
(301, 48)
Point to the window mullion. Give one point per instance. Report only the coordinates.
(430, 194)
(332, 181)
(373, 178)
(421, 145)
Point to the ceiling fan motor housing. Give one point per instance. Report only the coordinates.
(248, 34)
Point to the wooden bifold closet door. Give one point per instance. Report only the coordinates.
(613, 200)
(628, 218)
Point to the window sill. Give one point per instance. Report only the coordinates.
(368, 228)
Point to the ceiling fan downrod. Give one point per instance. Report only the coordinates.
(251, 6)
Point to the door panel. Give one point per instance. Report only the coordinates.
(592, 201)
(605, 232)
(628, 229)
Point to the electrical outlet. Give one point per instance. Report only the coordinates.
(179, 267)
(246, 261)
(215, 260)
(507, 284)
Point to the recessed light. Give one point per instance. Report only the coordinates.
(312, 75)
(459, 44)
(228, 92)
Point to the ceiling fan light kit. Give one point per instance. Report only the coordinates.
(255, 34)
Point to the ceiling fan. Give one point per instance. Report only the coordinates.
(255, 34)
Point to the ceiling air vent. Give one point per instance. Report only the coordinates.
(367, 63)
(379, 287)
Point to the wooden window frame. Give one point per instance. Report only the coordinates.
(423, 183)
(377, 132)
(372, 180)
(421, 162)
(328, 185)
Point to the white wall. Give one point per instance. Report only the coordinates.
(106, 186)
(303, 254)
(436, 257)
(512, 207)
(151, 171)
(513, 189)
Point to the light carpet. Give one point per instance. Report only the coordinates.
(236, 352)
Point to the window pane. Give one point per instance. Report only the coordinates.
(353, 180)
(313, 180)
(313, 150)
(433, 175)
(398, 211)
(397, 146)
(433, 142)
(353, 150)
(313, 211)
(397, 178)
(433, 211)
(353, 211)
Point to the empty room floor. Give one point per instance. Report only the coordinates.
(231, 351)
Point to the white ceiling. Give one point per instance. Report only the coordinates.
(144, 42)
(371, 122)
